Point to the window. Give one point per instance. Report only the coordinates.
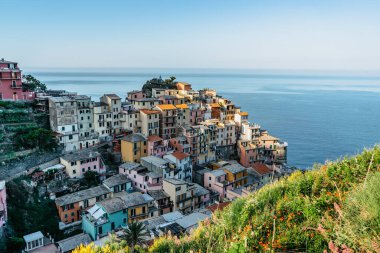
(178, 188)
(74, 172)
(143, 209)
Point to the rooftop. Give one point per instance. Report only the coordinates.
(200, 191)
(116, 180)
(234, 168)
(261, 169)
(82, 195)
(33, 236)
(154, 160)
(218, 207)
(134, 138)
(182, 106)
(112, 96)
(80, 155)
(191, 220)
(166, 107)
(218, 172)
(176, 181)
(154, 138)
(131, 199)
(112, 205)
(179, 155)
(129, 165)
(160, 194)
(147, 111)
(71, 243)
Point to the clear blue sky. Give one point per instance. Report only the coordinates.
(257, 34)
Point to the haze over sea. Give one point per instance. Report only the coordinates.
(322, 116)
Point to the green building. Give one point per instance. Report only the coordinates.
(104, 217)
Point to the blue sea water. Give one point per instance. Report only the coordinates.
(323, 116)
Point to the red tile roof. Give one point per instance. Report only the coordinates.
(218, 207)
(180, 155)
(146, 111)
(154, 138)
(261, 169)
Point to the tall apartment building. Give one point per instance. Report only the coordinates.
(87, 135)
(107, 116)
(63, 113)
(202, 145)
(183, 115)
(11, 82)
(150, 122)
(168, 120)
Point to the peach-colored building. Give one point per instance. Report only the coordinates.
(150, 122)
(157, 146)
(135, 94)
(79, 162)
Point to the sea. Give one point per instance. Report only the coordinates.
(321, 115)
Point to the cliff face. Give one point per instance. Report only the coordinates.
(334, 207)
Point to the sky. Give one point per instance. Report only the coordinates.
(254, 34)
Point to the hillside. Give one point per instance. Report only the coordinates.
(335, 206)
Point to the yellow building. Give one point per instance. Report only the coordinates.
(236, 174)
(136, 204)
(133, 147)
(183, 115)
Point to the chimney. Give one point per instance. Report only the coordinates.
(2, 59)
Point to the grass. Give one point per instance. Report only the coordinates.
(334, 206)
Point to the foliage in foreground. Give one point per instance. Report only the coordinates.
(321, 209)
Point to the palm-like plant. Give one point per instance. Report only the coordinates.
(134, 233)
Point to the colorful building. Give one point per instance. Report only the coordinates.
(168, 120)
(71, 206)
(150, 122)
(79, 162)
(104, 217)
(3, 204)
(141, 178)
(184, 166)
(133, 148)
(157, 146)
(11, 82)
(181, 193)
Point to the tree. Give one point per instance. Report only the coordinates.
(37, 137)
(31, 83)
(91, 178)
(134, 233)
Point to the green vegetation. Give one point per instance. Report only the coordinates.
(333, 207)
(28, 212)
(134, 234)
(91, 178)
(40, 138)
(30, 83)
(158, 83)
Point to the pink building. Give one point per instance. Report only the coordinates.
(11, 82)
(201, 197)
(3, 204)
(197, 114)
(216, 180)
(135, 94)
(157, 146)
(141, 178)
(180, 144)
(78, 163)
